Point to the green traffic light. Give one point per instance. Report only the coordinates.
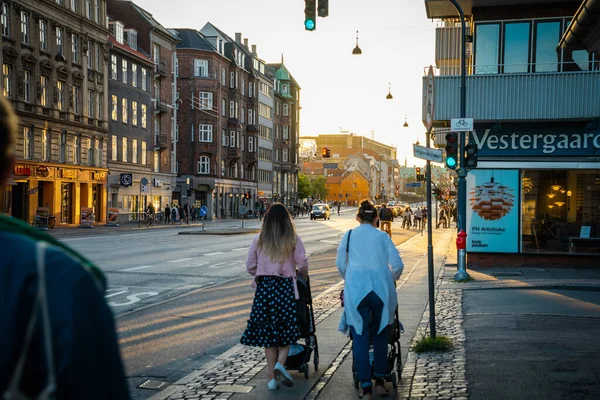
(451, 162)
(309, 24)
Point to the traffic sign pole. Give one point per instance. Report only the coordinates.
(430, 270)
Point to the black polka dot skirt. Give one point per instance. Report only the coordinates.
(273, 321)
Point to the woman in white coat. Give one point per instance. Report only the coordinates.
(369, 293)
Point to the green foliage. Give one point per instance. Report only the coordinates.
(427, 343)
(304, 186)
(319, 189)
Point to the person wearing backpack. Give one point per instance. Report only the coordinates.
(58, 336)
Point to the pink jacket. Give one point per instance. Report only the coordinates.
(258, 264)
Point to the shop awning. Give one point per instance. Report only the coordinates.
(583, 32)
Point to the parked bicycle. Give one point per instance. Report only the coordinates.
(149, 220)
(44, 222)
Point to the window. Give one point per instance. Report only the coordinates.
(144, 79)
(546, 56)
(27, 86)
(232, 139)
(97, 7)
(24, 27)
(487, 39)
(156, 162)
(46, 143)
(232, 79)
(243, 116)
(224, 138)
(250, 144)
(223, 107)
(88, 55)
(76, 99)
(134, 78)
(516, 47)
(60, 40)
(76, 150)
(114, 113)
(250, 89)
(223, 167)
(286, 110)
(144, 117)
(6, 80)
(124, 71)
(124, 149)
(119, 32)
(89, 9)
(201, 68)
(134, 155)
(204, 165)
(124, 107)
(74, 5)
(144, 159)
(286, 132)
(250, 117)
(156, 125)
(132, 39)
(243, 87)
(285, 155)
(243, 142)
(205, 99)
(61, 2)
(156, 53)
(91, 104)
(113, 147)
(75, 48)
(5, 20)
(113, 67)
(44, 90)
(100, 101)
(223, 76)
(43, 35)
(99, 57)
(134, 114)
(231, 109)
(192, 134)
(27, 142)
(205, 133)
(60, 101)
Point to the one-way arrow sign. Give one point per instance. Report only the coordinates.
(426, 153)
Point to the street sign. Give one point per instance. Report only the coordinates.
(203, 211)
(413, 185)
(243, 209)
(461, 124)
(144, 181)
(426, 153)
(429, 99)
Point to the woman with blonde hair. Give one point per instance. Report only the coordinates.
(273, 257)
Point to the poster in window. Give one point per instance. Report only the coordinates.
(493, 211)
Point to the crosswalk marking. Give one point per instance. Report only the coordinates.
(215, 253)
(136, 268)
(180, 260)
(239, 249)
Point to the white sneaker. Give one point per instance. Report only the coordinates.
(273, 385)
(283, 375)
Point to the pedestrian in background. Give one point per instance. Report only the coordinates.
(273, 257)
(370, 298)
(167, 214)
(174, 214)
(181, 214)
(58, 335)
(193, 213)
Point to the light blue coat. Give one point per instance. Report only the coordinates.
(370, 256)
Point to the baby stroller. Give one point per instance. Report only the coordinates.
(394, 354)
(299, 355)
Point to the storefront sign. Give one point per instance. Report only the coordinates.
(532, 141)
(87, 216)
(99, 176)
(113, 217)
(22, 170)
(42, 171)
(68, 173)
(126, 179)
(157, 182)
(493, 211)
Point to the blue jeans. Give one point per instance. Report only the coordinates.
(370, 309)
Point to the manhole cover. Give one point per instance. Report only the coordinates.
(232, 389)
(155, 385)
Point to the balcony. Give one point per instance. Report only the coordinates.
(160, 107)
(518, 97)
(160, 69)
(250, 157)
(161, 141)
(233, 121)
(234, 152)
(252, 128)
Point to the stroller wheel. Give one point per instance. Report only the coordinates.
(305, 369)
(394, 380)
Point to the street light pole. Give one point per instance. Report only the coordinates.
(461, 274)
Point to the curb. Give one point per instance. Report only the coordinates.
(238, 231)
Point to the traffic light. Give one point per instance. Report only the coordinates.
(247, 195)
(325, 153)
(328, 153)
(323, 8)
(310, 15)
(471, 156)
(420, 177)
(397, 187)
(383, 186)
(452, 150)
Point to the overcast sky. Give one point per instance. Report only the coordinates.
(339, 90)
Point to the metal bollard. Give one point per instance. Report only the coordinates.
(461, 247)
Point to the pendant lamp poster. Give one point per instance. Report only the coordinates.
(493, 211)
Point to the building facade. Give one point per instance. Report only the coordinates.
(347, 140)
(54, 73)
(157, 43)
(286, 140)
(535, 196)
(266, 106)
(131, 139)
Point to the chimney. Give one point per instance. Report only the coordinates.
(238, 37)
(246, 42)
(254, 49)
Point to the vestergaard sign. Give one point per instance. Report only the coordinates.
(516, 143)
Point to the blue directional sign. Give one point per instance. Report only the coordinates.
(413, 185)
(203, 211)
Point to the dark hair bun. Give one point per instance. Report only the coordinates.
(367, 211)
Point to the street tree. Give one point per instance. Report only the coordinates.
(304, 186)
(319, 189)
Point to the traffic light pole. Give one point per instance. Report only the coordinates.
(430, 270)
(461, 274)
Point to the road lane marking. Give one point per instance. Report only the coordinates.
(218, 265)
(330, 241)
(239, 248)
(200, 264)
(136, 268)
(215, 253)
(180, 260)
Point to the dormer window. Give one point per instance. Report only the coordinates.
(284, 88)
(131, 38)
(119, 32)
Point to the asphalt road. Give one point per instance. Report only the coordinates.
(182, 300)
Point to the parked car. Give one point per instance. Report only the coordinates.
(320, 211)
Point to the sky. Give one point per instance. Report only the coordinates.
(339, 90)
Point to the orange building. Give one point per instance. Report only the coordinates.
(351, 187)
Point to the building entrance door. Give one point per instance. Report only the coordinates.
(66, 203)
(20, 201)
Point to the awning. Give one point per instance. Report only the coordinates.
(583, 32)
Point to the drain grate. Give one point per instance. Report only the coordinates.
(154, 385)
(232, 389)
